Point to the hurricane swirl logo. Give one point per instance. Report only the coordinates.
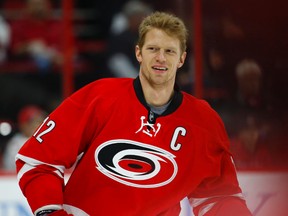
(136, 164)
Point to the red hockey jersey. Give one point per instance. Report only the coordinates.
(129, 160)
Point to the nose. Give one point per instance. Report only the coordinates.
(160, 57)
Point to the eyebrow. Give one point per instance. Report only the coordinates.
(170, 47)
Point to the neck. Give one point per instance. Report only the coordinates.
(156, 95)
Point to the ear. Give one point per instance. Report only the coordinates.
(182, 59)
(138, 54)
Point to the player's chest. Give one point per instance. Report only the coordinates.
(130, 149)
(139, 124)
(174, 134)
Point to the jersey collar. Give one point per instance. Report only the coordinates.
(175, 102)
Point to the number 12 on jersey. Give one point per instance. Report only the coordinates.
(50, 125)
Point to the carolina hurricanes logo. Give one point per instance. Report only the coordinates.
(136, 164)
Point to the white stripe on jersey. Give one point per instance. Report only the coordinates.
(74, 210)
(31, 163)
(186, 209)
(198, 201)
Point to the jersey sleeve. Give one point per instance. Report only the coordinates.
(55, 146)
(219, 194)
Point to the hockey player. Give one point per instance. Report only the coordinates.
(140, 147)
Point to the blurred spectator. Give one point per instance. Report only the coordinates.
(5, 34)
(225, 44)
(216, 78)
(248, 117)
(37, 35)
(29, 118)
(249, 78)
(124, 35)
(250, 98)
(35, 54)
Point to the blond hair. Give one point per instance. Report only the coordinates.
(169, 23)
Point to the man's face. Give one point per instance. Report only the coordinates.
(160, 57)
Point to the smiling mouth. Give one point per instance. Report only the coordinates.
(160, 68)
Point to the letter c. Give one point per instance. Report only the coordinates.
(176, 146)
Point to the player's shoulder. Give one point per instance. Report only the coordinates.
(110, 83)
(195, 102)
(202, 114)
(105, 87)
(199, 107)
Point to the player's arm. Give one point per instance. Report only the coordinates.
(220, 193)
(55, 146)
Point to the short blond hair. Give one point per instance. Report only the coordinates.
(169, 23)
